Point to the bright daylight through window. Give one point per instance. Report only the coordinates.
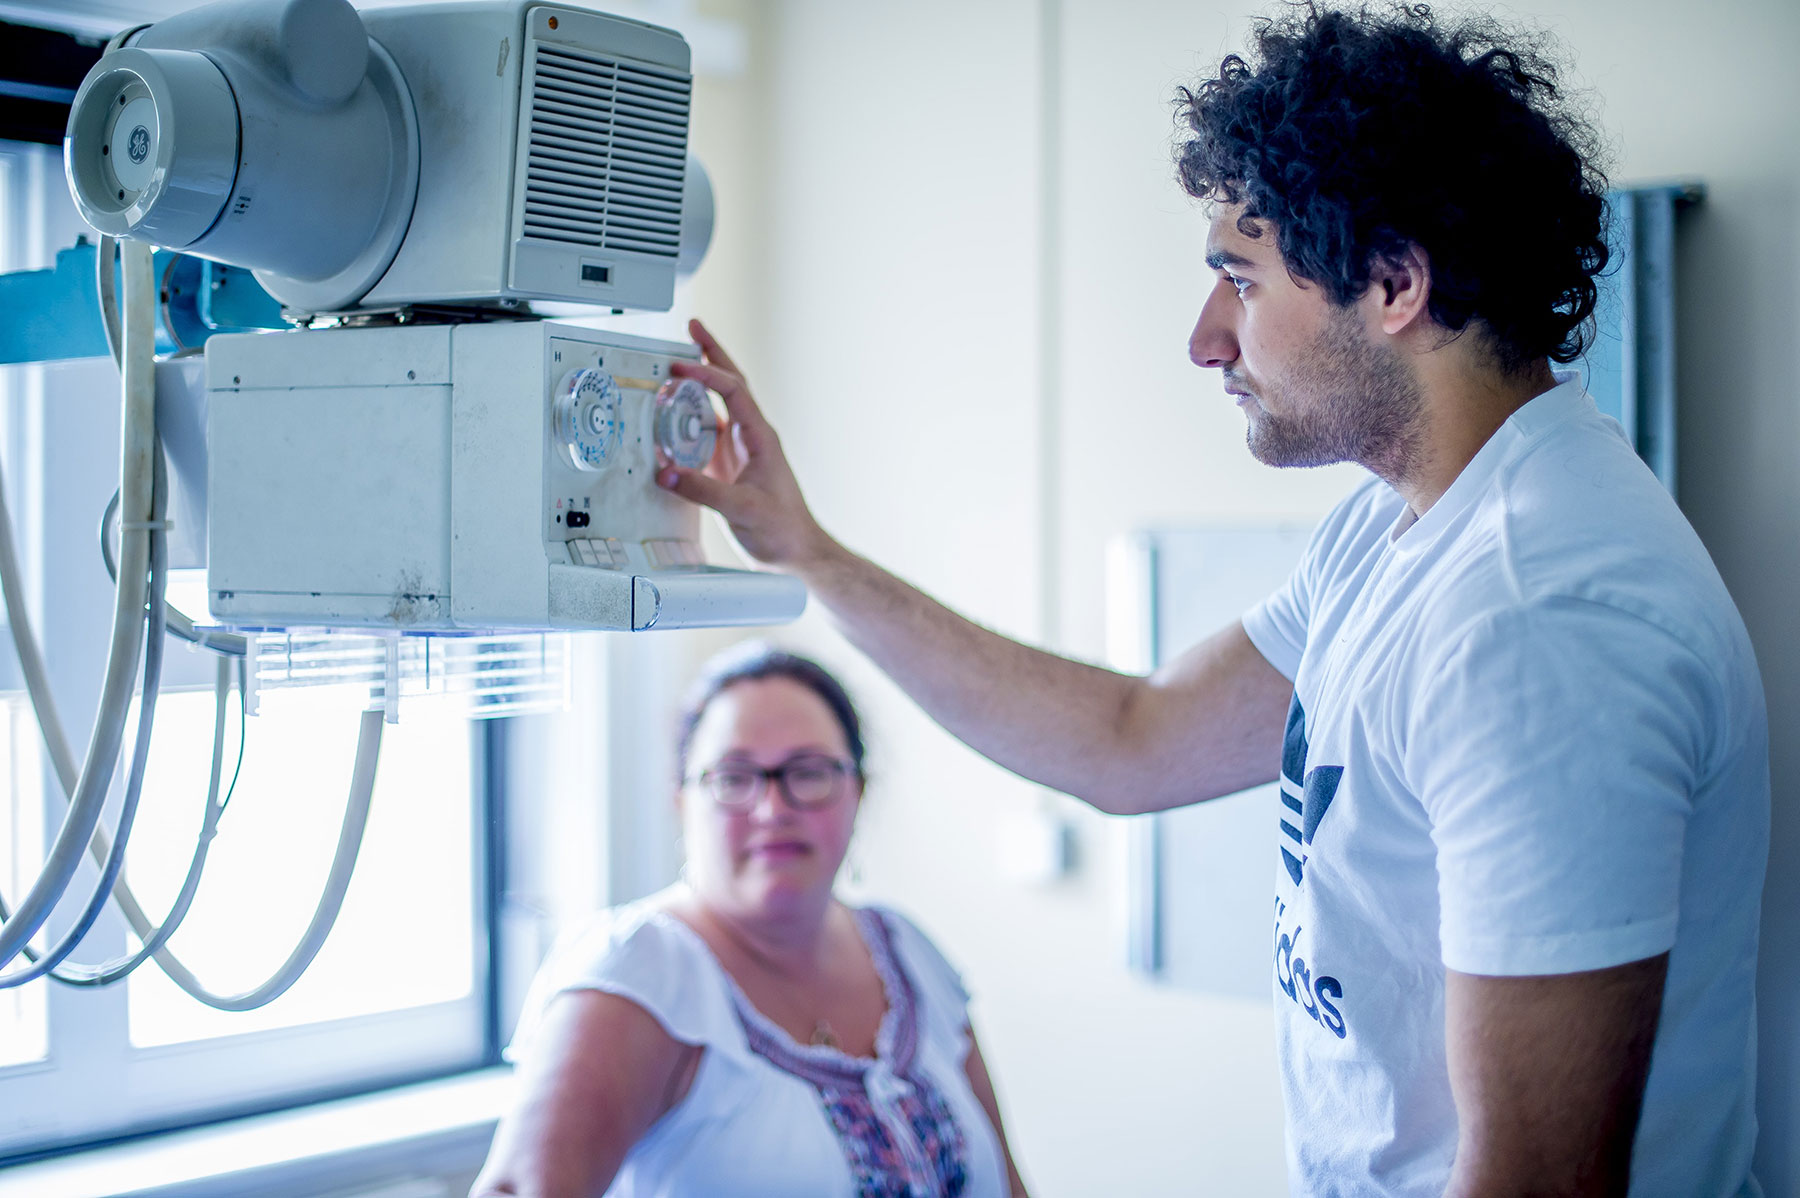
(403, 937)
(23, 1031)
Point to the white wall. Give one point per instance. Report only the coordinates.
(981, 378)
(912, 281)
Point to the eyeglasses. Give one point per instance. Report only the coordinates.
(809, 782)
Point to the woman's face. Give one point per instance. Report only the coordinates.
(766, 854)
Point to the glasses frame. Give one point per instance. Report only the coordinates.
(846, 770)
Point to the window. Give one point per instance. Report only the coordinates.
(392, 949)
(23, 1029)
(23, 1026)
(401, 989)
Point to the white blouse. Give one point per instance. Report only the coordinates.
(766, 1117)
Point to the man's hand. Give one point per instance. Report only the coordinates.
(749, 481)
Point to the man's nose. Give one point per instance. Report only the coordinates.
(1213, 341)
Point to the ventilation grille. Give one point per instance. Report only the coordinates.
(608, 153)
(480, 675)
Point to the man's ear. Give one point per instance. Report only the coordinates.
(1402, 286)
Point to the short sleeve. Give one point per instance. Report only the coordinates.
(643, 956)
(1556, 752)
(1278, 625)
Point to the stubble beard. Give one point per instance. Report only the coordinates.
(1347, 400)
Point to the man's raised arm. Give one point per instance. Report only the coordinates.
(1209, 723)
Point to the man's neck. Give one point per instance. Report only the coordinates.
(1463, 409)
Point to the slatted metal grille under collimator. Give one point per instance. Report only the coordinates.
(608, 152)
(481, 676)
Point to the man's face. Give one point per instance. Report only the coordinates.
(1315, 380)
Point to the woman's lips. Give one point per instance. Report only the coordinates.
(779, 850)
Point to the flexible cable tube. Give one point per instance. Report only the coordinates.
(112, 971)
(337, 884)
(31, 658)
(325, 915)
(343, 866)
(137, 444)
(232, 643)
(140, 753)
(122, 967)
(180, 624)
(62, 758)
(104, 277)
(154, 939)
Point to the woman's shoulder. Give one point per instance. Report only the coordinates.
(630, 937)
(641, 952)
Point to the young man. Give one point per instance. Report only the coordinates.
(1518, 725)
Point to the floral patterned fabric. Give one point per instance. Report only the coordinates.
(883, 1169)
(896, 1131)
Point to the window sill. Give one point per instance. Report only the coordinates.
(424, 1130)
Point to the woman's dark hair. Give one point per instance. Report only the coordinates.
(1358, 133)
(754, 662)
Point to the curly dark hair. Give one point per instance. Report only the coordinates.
(1358, 133)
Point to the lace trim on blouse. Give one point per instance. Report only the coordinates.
(896, 1131)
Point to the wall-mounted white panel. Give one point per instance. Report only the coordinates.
(1203, 876)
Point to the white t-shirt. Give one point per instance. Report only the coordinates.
(766, 1117)
(1527, 737)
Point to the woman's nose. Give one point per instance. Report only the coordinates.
(771, 805)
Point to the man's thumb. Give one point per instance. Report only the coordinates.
(695, 487)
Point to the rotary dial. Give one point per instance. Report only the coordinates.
(589, 421)
(687, 427)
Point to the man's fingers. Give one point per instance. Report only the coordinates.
(709, 345)
(729, 384)
(696, 487)
(739, 404)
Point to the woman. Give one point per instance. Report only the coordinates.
(744, 1032)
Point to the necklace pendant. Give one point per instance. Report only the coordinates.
(823, 1036)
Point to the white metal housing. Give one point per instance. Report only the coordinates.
(553, 152)
(472, 153)
(414, 479)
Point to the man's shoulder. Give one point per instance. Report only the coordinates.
(1575, 548)
(1581, 518)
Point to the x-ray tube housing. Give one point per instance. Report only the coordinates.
(271, 134)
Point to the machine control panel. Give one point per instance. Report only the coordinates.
(616, 415)
(473, 429)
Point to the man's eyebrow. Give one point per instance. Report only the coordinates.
(1220, 259)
